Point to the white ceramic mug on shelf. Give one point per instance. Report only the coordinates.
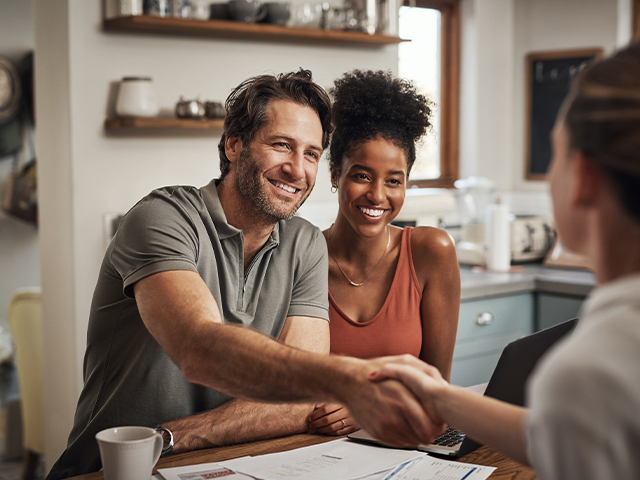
(129, 453)
(137, 98)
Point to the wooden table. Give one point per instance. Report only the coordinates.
(507, 469)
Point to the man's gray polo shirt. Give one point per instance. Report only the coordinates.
(129, 380)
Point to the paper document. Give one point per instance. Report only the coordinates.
(431, 468)
(203, 471)
(336, 460)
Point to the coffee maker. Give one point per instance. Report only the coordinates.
(473, 195)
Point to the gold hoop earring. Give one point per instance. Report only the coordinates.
(334, 188)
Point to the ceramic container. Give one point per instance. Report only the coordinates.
(129, 453)
(137, 98)
(249, 11)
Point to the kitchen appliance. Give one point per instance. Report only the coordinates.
(531, 238)
(467, 223)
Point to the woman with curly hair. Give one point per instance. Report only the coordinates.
(391, 290)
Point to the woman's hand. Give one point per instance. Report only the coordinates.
(422, 379)
(331, 419)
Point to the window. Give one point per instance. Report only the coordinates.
(636, 20)
(431, 61)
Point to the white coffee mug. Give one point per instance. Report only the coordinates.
(129, 453)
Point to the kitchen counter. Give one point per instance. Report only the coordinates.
(498, 308)
(532, 277)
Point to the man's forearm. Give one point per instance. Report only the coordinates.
(269, 371)
(238, 421)
(179, 311)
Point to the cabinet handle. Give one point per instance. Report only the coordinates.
(484, 319)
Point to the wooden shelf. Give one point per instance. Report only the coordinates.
(162, 123)
(244, 31)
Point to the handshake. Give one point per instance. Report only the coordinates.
(396, 402)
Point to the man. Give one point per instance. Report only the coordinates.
(193, 273)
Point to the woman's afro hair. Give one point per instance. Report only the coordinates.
(370, 104)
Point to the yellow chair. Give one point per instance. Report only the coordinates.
(25, 321)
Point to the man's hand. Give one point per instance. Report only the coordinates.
(390, 411)
(422, 379)
(485, 419)
(332, 419)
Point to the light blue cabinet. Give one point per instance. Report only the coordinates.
(485, 326)
(498, 308)
(552, 309)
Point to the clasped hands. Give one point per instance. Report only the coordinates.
(395, 404)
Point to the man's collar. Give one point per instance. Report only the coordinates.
(212, 202)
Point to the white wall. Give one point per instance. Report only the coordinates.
(486, 90)
(19, 253)
(87, 173)
(496, 37)
(553, 25)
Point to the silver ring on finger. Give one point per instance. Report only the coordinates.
(344, 425)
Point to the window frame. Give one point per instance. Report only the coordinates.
(636, 20)
(449, 107)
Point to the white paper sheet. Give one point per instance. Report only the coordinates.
(337, 460)
(203, 471)
(431, 468)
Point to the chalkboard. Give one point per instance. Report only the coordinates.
(549, 77)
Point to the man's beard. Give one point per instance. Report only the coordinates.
(253, 189)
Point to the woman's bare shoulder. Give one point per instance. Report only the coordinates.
(432, 238)
(432, 247)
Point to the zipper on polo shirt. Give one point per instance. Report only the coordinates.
(259, 255)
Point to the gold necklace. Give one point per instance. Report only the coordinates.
(376, 266)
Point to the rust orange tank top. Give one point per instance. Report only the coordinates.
(396, 328)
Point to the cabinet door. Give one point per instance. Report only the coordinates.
(552, 309)
(485, 326)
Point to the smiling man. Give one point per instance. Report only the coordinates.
(198, 282)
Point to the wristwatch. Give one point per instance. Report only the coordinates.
(167, 437)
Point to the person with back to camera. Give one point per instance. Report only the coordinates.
(199, 282)
(391, 290)
(581, 420)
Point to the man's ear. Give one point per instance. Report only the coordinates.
(233, 147)
(589, 179)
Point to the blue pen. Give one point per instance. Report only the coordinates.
(470, 472)
(400, 467)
